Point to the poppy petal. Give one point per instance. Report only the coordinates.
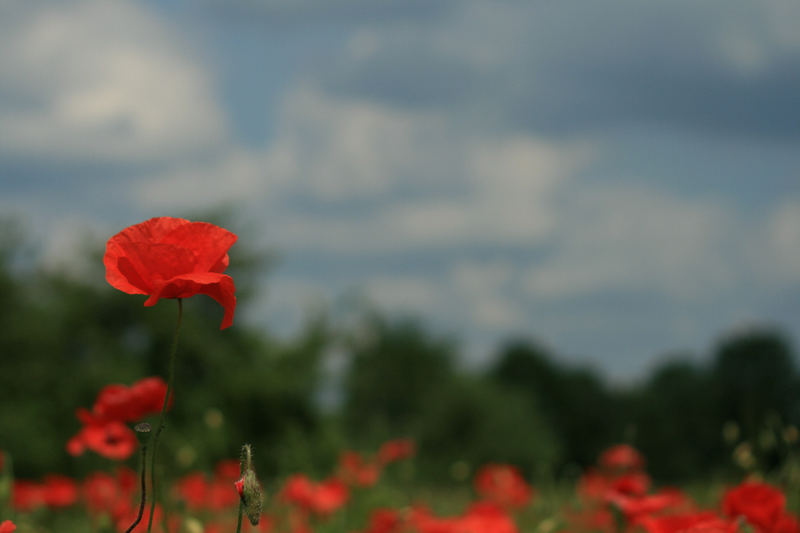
(220, 287)
(209, 243)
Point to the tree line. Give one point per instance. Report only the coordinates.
(65, 335)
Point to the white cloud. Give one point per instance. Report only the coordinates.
(625, 239)
(231, 176)
(783, 238)
(405, 293)
(421, 181)
(103, 81)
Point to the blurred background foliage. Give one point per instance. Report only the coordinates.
(63, 336)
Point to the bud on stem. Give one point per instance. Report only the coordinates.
(248, 487)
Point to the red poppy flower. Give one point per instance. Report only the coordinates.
(762, 505)
(147, 397)
(395, 450)
(633, 484)
(483, 517)
(193, 489)
(100, 491)
(169, 257)
(59, 491)
(7, 527)
(786, 524)
(356, 471)
(385, 521)
(698, 522)
(111, 439)
(27, 495)
(622, 457)
(635, 507)
(504, 485)
(322, 498)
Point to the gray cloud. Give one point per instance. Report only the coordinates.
(724, 68)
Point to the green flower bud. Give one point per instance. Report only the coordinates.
(249, 488)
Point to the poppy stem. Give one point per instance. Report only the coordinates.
(242, 468)
(239, 519)
(143, 465)
(161, 425)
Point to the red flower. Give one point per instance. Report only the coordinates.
(100, 490)
(103, 429)
(169, 257)
(480, 517)
(762, 505)
(111, 439)
(220, 495)
(638, 506)
(483, 517)
(59, 491)
(634, 483)
(193, 489)
(504, 485)
(329, 496)
(786, 524)
(355, 471)
(384, 521)
(322, 498)
(27, 495)
(147, 397)
(702, 522)
(127, 404)
(395, 450)
(7, 527)
(622, 457)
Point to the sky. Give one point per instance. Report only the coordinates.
(618, 180)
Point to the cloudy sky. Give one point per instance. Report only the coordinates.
(618, 179)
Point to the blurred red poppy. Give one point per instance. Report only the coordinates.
(385, 521)
(395, 450)
(621, 457)
(321, 498)
(7, 527)
(635, 507)
(100, 491)
(504, 485)
(356, 471)
(193, 489)
(786, 524)
(760, 504)
(696, 522)
(103, 429)
(110, 439)
(59, 491)
(169, 257)
(27, 495)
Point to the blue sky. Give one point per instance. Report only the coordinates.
(618, 180)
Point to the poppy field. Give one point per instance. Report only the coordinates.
(374, 489)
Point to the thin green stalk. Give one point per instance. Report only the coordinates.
(143, 464)
(242, 463)
(161, 425)
(239, 519)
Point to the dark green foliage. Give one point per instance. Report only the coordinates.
(582, 412)
(474, 421)
(754, 374)
(676, 423)
(396, 374)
